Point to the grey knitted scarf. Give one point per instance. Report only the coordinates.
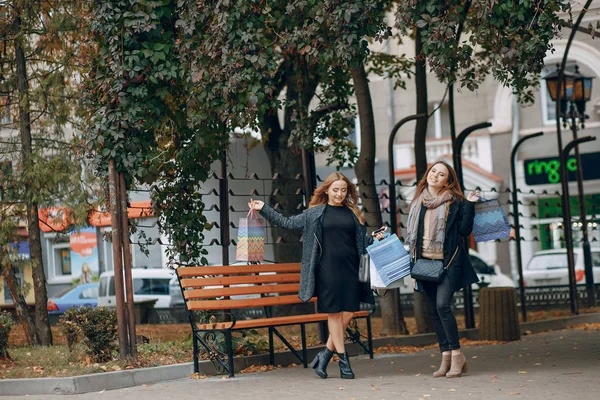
(437, 222)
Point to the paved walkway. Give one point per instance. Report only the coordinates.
(555, 365)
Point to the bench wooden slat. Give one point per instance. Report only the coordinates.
(246, 303)
(241, 290)
(186, 272)
(237, 280)
(275, 321)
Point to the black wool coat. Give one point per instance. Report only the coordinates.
(459, 225)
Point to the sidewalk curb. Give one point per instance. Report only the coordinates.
(135, 377)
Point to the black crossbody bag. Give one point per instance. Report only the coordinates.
(430, 270)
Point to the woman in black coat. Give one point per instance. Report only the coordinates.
(334, 238)
(439, 221)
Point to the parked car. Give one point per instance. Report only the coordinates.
(148, 284)
(85, 294)
(489, 275)
(549, 267)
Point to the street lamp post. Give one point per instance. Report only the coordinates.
(573, 91)
(457, 161)
(564, 155)
(515, 207)
(392, 182)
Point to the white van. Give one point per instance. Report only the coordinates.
(148, 284)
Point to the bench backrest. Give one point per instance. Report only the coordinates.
(210, 288)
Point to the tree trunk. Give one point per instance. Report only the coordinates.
(21, 308)
(286, 162)
(391, 312)
(421, 307)
(35, 246)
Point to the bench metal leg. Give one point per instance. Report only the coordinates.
(288, 345)
(229, 341)
(196, 352)
(304, 353)
(370, 337)
(353, 334)
(271, 348)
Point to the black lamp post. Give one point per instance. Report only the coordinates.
(575, 91)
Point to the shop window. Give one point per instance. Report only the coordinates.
(60, 259)
(149, 254)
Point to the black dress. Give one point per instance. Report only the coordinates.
(337, 274)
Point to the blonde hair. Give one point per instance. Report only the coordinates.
(320, 196)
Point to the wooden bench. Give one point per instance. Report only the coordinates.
(211, 291)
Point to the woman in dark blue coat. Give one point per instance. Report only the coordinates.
(439, 221)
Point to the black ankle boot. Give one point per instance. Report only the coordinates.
(321, 362)
(345, 369)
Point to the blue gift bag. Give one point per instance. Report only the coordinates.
(490, 222)
(390, 258)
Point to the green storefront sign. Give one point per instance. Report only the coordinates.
(551, 208)
(544, 171)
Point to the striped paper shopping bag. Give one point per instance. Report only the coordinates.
(490, 222)
(390, 258)
(251, 238)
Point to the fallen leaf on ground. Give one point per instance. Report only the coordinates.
(198, 376)
(537, 364)
(418, 374)
(452, 390)
(514, 393)
(258, 368)
(523, 372)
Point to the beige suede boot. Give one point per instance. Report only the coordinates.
(444, 367)
(459, 366)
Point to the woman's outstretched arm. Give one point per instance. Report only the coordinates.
(296, 222)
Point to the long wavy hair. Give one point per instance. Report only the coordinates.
(351, 201)
(452, 185)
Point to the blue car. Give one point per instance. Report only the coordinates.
(77, 296)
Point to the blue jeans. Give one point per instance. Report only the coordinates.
(440, 298)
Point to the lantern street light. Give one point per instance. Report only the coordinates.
(575, 92)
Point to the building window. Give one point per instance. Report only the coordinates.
(438, 126)
(59, 256)
(145, 249)
(65, 261)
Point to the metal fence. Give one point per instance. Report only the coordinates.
(541, 297)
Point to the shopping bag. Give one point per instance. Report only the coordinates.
(490, 222)
(390, 258)
(377, 282)
(251, 238)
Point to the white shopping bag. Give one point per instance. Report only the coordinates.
(377, 282)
